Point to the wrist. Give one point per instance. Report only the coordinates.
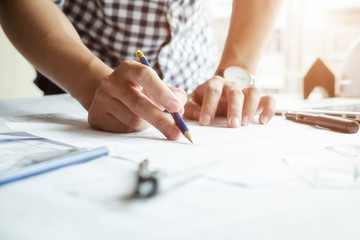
(89, 81)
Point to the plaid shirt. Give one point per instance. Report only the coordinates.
(175, 35)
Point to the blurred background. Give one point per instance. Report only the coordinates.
(305, 30)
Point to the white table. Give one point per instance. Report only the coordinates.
(253, 194)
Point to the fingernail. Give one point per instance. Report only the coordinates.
(244, 120)
(205, 119)
(172, 106)
(234, 122)
(265, 120)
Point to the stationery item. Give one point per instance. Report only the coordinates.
(349, 111)
(338, 107)
(25, 155)
(176, 116)
(182, 126)
(325, 121)
(151, 183)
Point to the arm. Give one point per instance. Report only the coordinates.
(117, 100)
(41, 32)
(250, 27)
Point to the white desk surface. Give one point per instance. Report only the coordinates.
(253, 194)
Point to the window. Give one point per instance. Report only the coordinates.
(305, 30)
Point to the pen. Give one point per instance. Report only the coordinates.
(73, 157)
(325, 121)
(176, 116)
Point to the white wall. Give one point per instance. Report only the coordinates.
(16, 74)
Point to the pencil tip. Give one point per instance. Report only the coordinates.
(187, 135)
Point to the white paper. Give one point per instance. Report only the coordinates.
(252, 195)
(334, 167)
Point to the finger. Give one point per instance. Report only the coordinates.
(108, 114)
(192, 110)
(122, 114)
(139, 104)
(143, 107)
(146, 77)
(251, 102)
(180, 94)
(110, 124)
(156, 103)
(212, 94)
(235, 99)
(267, 107)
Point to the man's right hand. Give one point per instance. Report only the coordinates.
(125, 100)
(131, 98)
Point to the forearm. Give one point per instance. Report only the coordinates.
(250, 27)
(42, 33)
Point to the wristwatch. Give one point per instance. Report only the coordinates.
(237, 74)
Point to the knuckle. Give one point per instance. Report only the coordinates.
(136, 123)
(143, 72)
(218, 78)
(108, 83)
(235, 92)
(139, 105)
(213, 88)
(107, 80)
(253, 91)
(125, 64)
(233, 84)
(126, 67)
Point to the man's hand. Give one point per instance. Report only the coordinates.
(218, 97)
(131, 98)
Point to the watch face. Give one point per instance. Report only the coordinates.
(238, 74)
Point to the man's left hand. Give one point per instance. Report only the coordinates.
(218, 97)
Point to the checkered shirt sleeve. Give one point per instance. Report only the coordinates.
(59, 2)
(175, 35)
